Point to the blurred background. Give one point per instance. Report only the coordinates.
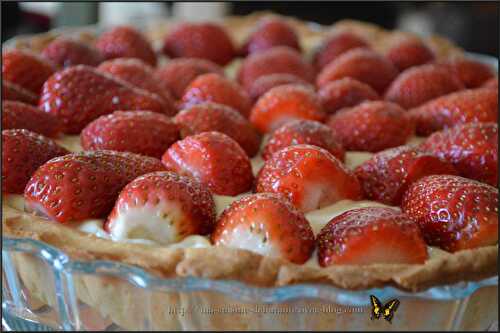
(472, 25)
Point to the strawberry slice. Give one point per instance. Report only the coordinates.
(214, 159)
(454, 213)
(472, 73)
(267, 224)
(207, 117)
(84, 185)
(14, 92)
(472, 148)
(420, 84)
(361, 64)
(371, 235)
(141, 132)
(21, 115)
(266, 82)
(309, 176)
(409, 52)
(67, 52)
(22, 153)
(345, 93)
(298, 132)
(199, 40)
(162, 206)
(372, 126)
(177, 74)
(268, 33)
(126, 42)
(26, 69)
(285, 103)
(491, 83)
(80, 94)
(387, 174)
(335, 45)
(216, 88)
(467, 106)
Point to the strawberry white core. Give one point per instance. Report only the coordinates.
(259, 242)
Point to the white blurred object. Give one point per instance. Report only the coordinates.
(113, 13)
(49, 9)
(200, 11)
(417, 22)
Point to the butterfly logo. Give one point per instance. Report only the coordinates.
(379, 310)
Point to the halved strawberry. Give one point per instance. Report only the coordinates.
(26, 69)
(21, 115)
(199, 40)
(298, 132)
(22, 153)
(409, 52)
(335, 45)
(267, 224)
(84, 185)
(361, 64)
(214, 159)
(472, 148)
(454, 213)
(345, 93)
(141, 132)
(177, 74)
(472, 73)
(14, 92)
(474, 105)
(309, 176)
(387, 174)
(279, 59)
(372, 235)
(126, 42)
(372, 126)
(80, 94)
(285, 103)
(67, 52)
(420, 84)
(207, 117)
(266, 82)
(216, 88)
(162, 206)
(270, 32)
(491, 83)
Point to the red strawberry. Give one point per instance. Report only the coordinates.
(199, 40)
(454, 213)
(177, 74)
(139, 74)
(284, 103)
(309, 176)
(266, 82)
(472, 148)
(372, 235)
(215, 88)
(344, 93)
(335, 45)
(21, 115)
(361, 64)
(214, 159)
(267, 224)
(26, 69)
(126, 42)
(387, 174)
(372, 126)
(491, 83)
(207, 117)
(475, 105)
(67, 52)
(298, 132)
(14, 92)
(22, 153)
(271, 32)
(84, 185)
(472, 73)
(279, 59)
(163, 207)
(141, 132)
(409, 52)
(420, 84)
(80, 94)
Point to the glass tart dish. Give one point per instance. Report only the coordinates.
(79, 277)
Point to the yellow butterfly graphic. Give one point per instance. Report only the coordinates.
(387, 310)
